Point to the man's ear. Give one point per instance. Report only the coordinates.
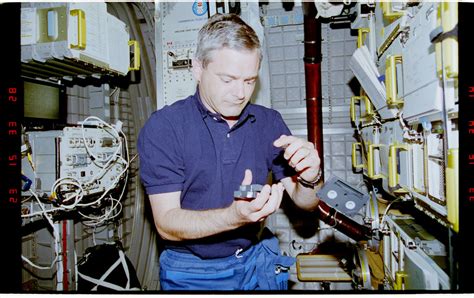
(197, 70)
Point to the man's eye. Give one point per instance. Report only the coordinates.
(250, 82)
(226, 80)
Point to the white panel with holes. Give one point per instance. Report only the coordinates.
(179, 25)
(97, 167)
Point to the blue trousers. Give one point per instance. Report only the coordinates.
(260, 267)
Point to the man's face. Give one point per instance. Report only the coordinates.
(228, 81)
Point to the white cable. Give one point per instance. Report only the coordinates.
(386, 212)
(95, 159)
(93, 237)
(106, 216)
(78, 196)
(112, 185)
(79, 192)
(106, 167)
(408, 133)
(95, 221)
(43, 212)
(135, 156)
(115, 204)
(402, 122)
(376, 119)
(75, 269)
(56, 184)
(27, 199)
(115, 181)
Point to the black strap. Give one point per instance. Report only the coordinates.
(437, 35)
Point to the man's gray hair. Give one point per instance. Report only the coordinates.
(225, 31)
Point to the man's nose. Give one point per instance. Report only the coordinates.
(240, 90)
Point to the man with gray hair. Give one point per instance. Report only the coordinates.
(196, 152)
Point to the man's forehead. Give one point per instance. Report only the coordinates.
(221, 63)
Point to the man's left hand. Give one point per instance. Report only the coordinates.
(301, 155)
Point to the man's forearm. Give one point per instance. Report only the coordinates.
(181, 224)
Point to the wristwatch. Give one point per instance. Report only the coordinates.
(313, 183)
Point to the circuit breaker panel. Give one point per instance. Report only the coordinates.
(407, 138)
(179, 24)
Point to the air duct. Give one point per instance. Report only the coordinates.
(314, 108)
(312, 65)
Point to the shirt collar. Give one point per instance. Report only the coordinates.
(246, 113)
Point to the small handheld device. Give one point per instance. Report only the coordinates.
(247, 192)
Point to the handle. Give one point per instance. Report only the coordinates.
(370, 162)
(354, 157)
(391, 79)
(361, 35)
(399, 278)
(369, 108)
(81, 29)
(352, 108)
(392, 164)
(388, 12)
(452, 188)
(449, 19)
(369, 111)
(136, 55)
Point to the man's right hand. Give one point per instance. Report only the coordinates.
(266, 202)
(177, 224)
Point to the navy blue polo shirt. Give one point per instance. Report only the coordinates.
(184, 147)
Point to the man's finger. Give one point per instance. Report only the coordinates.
(261, 199)
(298, 156)
(296, 145)
(273, 202)
(247, 177)
(283, 141)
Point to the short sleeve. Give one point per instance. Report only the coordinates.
(161, 160)
(280, 167)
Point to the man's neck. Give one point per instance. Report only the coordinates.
(231, 121)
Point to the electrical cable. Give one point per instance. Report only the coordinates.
(101, 125)
(79, 192)
(115, 181)
(76, 187)
(382, 221)
(106, 216)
